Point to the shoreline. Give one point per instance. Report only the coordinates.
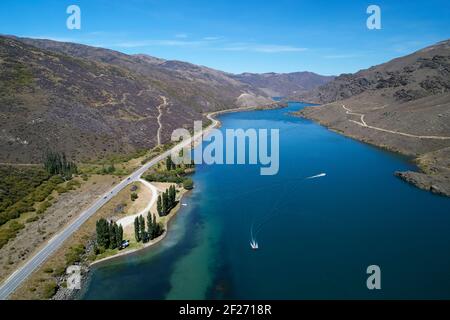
(215, 124)
(420, 178)
(149, 244)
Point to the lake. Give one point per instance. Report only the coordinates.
(316, 237)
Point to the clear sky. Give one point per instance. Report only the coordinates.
(323, 36)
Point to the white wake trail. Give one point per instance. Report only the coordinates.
(254, 230)
(317, 176)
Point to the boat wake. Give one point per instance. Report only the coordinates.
(317, 176)
(255, 229)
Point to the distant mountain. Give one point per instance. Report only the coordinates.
(201, 88)
(90, 102)
(284, 84)
(403, 105)
(421, 74)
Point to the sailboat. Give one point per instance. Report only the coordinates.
(254, 245)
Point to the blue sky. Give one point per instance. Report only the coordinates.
(323, 36)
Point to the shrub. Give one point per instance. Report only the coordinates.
(59, 271)
(48, 270)
(188, 184)
(50, 289)
(32, 219)
(99, 250)
(61, 189)
(44, 206)
(19, 183)
(74, 254)
(73, 184)
(15, 226)
(163, 177)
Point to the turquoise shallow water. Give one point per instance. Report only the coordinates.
(321, 236)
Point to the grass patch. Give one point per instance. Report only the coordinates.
(50, 289)
(9, 232)
(15, 77)
(27, 203)
(18, 189)
(74, 254)
(48, 270)
(32, 219)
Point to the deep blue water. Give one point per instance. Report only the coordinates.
(321, 236)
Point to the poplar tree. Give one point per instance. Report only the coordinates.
(150, 226)
(169, 164)
(142, 232)
(119, 235)
(174, 196)
(57, 163)
(137, 229)
(159, 206)
(112, 236)
(102, 229)
(165, 201)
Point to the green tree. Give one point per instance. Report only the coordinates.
(165, 201)
(172, 196)
(169, 164)
(111, 169)
(119, 235)
(188, 184)
(137, 233)
(150, 228)
(57, 163)
(158, 228)
(159, 206)
(102, 230)
(112, 235)
(143, 234)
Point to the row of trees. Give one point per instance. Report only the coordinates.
(153, 231)
(109, 234)
(57, 163)
(170, 165)
(110, 169)
(166, 201)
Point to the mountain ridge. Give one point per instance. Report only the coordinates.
(91, 102)
(402, 105)
(284, 84)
